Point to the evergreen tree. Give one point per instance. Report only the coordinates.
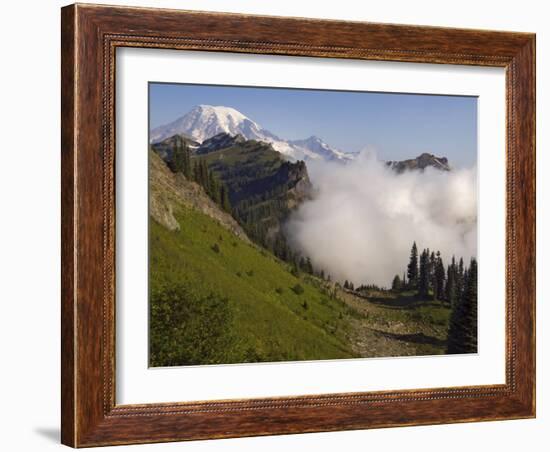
(460, 279)
(439, 274)
(178, 157)
(462, 336)
(187, 170)
(196, 172)
(396, 283)
(431, 272)
(213, 188)
(309, 266)
(203, 174)
(450, 286)
(351, 286)
(424, 273)
(412, 268)
(224, 197)
(346, 284)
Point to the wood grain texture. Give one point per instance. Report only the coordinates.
(90, 36)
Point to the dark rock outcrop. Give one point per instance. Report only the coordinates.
(421, 162)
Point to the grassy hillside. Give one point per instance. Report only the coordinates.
(218, 299)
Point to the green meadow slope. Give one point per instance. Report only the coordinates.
(218, 298)
(265, 314)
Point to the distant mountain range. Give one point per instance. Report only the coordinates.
(207, 128)
(206, 121)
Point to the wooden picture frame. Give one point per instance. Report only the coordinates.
(90, 36)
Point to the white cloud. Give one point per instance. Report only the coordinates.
(364, 218)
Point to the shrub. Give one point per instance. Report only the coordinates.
(186, 328)
(279, 290)
(298, 289)
(215, 248)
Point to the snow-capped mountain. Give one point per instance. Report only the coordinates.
(206, 121)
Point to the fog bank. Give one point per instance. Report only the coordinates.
(364, 217)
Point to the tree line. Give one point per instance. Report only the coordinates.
(457, 285)
(256, 214)
(428, 276)
(197, 170)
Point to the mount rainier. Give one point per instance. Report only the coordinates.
(206, 121)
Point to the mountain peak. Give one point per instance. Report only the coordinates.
(204, 121)
(220, 111)
(421, 162)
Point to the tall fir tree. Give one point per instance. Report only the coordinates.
(187, 170)
(198, 172)
(224, 196)
(412, 268)
(178, 157)
(439, 278)
(424, 273)
(431, 272)
(462, 336)
(309, 266)
(396, 283)
(460, 279)
(450, 284)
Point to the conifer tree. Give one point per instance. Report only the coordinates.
(460, 279)
(431, 272)
(203, 174)
(309, 266)
(412, 268)
(213, 188)
(439, 273)
(196, 172)
(346, 284)
(424, 273)
(450, 285)
(187, 170)
(462, 336)
(224, 196)
(396, 283)
(178, 157)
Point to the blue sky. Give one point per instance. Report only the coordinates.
(397, 126)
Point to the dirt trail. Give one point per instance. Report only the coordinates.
(396, 325)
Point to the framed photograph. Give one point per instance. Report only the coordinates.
(281, 225)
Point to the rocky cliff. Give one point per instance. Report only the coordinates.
(421, 162)
(167, 189)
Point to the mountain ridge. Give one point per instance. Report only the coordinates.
(203, 122)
